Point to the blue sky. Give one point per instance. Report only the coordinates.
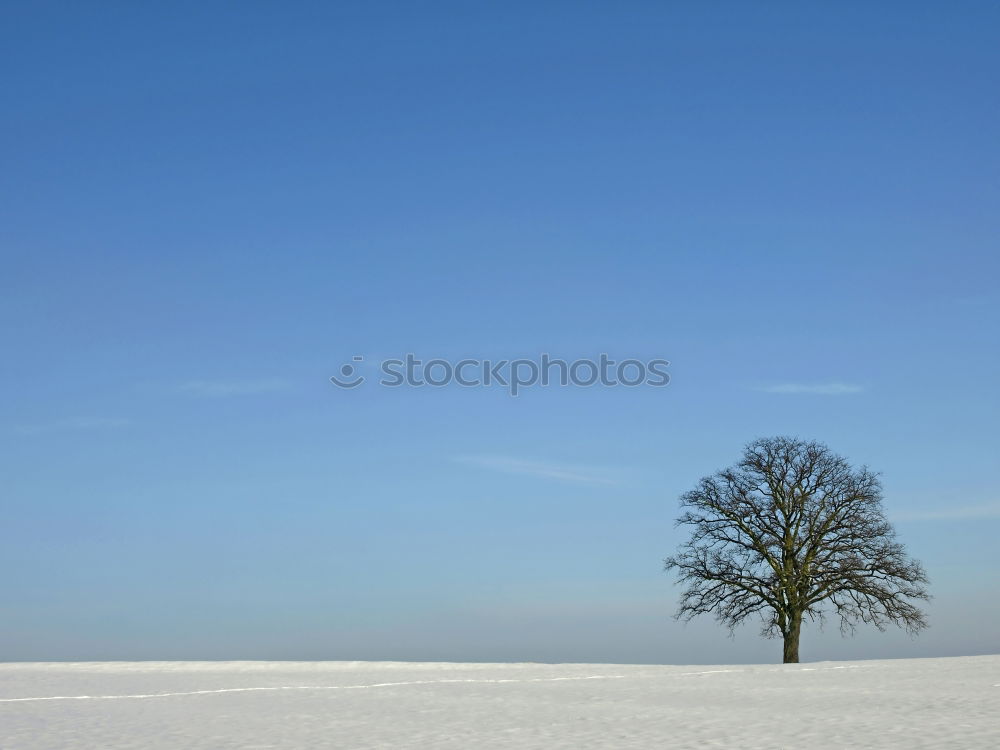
(207, 210)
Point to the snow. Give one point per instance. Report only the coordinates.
(906, 703)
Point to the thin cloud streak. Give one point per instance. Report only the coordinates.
(816, 389)
(224, 388)
(73, 424)
(959, 513)
(508, 465)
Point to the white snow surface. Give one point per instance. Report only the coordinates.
(904, 703)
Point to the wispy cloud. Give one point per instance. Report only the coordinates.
(226, 388)
(980, 300)
(955, 513)
(560, 472)
(72, 425)
(816, 389)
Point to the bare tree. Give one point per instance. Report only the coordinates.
(792, 531)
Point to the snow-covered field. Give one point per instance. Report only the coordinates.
(910, 703)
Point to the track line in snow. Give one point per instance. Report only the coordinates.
(299, 687)
(707, 671)
(278, 688)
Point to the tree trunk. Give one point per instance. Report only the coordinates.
(791, 636)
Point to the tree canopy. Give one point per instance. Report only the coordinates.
(790, 532)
